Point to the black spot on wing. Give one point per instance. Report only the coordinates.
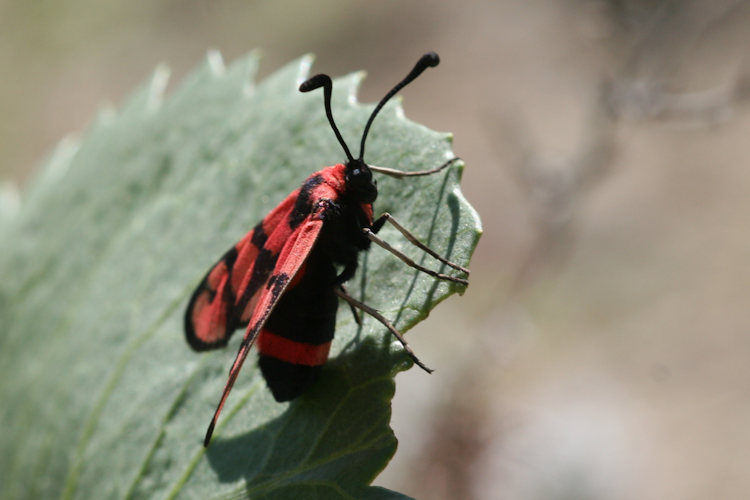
(276, 284)
(303, 203)
(264, 264)
(259, 237)
(228, 294)
(229, 259)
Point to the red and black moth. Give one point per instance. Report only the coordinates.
(283, 280)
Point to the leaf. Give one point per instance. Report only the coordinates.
(101, 395)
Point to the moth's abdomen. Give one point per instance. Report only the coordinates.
(295, 341)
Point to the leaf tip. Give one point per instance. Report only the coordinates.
(157, 87)
(303, 73)
(215, 63)
(10, 200)
(353, 85)
(62, 156)
(247, 67)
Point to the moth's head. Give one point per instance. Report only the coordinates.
(359, 179)
(359, 182)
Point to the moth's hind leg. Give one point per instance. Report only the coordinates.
(375, 314)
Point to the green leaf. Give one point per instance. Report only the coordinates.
(101, 396)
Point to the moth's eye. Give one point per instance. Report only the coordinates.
(364, 175)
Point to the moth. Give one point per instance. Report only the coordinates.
(283, 280)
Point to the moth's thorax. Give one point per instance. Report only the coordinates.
(351, 185)
(335, 177)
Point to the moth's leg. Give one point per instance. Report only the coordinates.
(401, 174)
(409, 262)
(357, 319)
(386, 217)
(375, 314)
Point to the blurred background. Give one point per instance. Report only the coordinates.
(602, 349)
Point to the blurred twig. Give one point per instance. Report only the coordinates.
(664, 39)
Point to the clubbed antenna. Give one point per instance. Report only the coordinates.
(324, 81)
(429, 60)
